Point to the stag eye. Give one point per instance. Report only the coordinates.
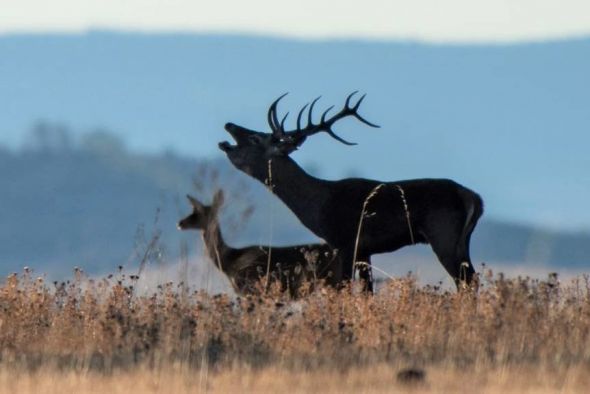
(254, 139)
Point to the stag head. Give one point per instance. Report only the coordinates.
(255, 148)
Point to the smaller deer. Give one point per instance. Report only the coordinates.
(244, 267)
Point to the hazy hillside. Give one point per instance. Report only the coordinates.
(92, 204)
(510, 121)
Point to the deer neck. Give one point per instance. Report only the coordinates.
(304, 194)
(217, 249)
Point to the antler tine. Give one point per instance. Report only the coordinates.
(347, 103)
(365, 121)
(299, 116)
(336, 137)
(273, 120)
(309, 113)
(358, 103)
(269, 114)
(358, 116)
(270, 117)
(323, 120)
(283, 123)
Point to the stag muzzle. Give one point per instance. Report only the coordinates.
(238, 133)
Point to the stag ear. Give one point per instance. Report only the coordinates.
(194, 202)
(287, 144)
(218, 199)
(282, 149)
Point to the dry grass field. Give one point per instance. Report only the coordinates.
(94, 336)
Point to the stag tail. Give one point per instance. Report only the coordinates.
(474, 207)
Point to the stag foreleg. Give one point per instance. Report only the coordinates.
(362, 264)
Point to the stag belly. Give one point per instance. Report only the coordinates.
(384, 226)
(388, 238)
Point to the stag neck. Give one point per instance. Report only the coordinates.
(304, 194)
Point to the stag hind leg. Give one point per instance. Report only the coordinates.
(451, 246)
(466, 269)
(455, 259)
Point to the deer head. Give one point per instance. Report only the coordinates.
(203, 216)
(253, 149)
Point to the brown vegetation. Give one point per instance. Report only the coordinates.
(90, 328)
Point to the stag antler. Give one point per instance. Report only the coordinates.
(299, 135)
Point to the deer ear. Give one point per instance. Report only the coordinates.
(218, 198)
(194, 202)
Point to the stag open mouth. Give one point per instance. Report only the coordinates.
(240, 135)
(226, 146)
